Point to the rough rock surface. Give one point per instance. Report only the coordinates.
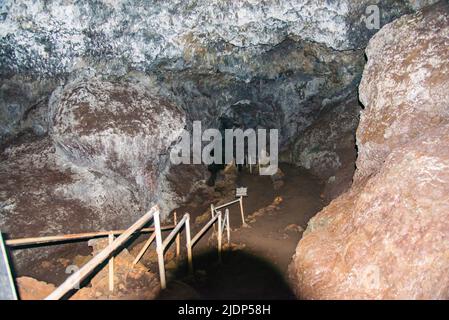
(327, 147)
(386, 238)
(174, 189)
(41, 194)
(56, 37)
(281, 89)
(203, 55)
(117, 129)
(32, 289)
(23, 106)
(103, 165)
(404, 86)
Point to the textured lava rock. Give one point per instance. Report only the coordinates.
(386, 238)
(203, 55)
(117, 129)
(405, 85)
(42, 194)
(175, 192)
(327, 147)
(57, 37)
(282, 88)
(103, 165)
(23, 106)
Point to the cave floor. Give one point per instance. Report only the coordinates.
(255, 265)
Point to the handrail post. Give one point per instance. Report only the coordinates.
(241, 212)
(178, 238)
(189, 244)
(212, 210)
(111, 265)
(228, 230)
(219, 235)
(160, 250)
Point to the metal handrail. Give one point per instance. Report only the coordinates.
(214, 209)
(74, 236)
(205, 228)
(71, 282)
(107, 253)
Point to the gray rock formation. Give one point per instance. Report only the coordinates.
(103, 165)
(24, 106)
(42, 195)
(327, 147)
(55, 38)
(203, 55)
(116, 129)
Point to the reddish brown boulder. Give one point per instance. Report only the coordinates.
(32, 289)
(387, 237)
(405, 83)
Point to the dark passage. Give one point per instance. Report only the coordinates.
(239, 276)
(254, 265)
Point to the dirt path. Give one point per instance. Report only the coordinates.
(275, 234)
(256, 267)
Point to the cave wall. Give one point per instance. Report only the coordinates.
(386, 237)
(202, 55)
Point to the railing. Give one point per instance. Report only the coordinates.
(222, 223)
(72, 281)
(213, 209)
(114, 244)
(81, 273)
(161, 246)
